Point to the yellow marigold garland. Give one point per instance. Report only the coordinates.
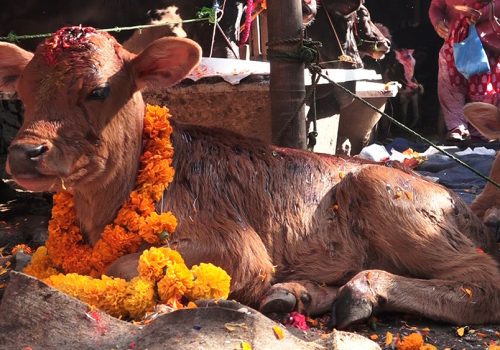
(133, 299)
(137, 221)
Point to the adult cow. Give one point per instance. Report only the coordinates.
(347, 33)
(326, 229)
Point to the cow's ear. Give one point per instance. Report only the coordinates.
(485, 118)
(13, 59)
(165, 62)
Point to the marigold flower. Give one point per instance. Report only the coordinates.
(154, 261)
(65, 245)
(412, 341)
(40, 266)
(21, 247)
(427, 347)
(210, 282)
(139, 297)
(177, 281)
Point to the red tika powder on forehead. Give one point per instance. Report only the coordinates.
(74, 38)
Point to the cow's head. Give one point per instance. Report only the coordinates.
(81, 93)
(370, 38)
(344, 8)
(334, 27)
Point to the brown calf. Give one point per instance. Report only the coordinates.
(486, 118)
(377, 238)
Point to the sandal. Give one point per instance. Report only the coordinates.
(460, 133)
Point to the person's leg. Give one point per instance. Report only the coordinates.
(452, 96)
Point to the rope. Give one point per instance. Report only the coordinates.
(213, 15)
(311, 136)
(343, 57)
(401, 125)
(307, 53)
(12, 37)
(210, 13)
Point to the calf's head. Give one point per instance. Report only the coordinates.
(486, 119)
(83, 106)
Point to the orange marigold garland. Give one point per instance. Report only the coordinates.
(162, 269)
(136, 221)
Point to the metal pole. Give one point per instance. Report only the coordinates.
(287, 89)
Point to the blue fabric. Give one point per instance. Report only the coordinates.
(401, 144)
(469, 54)
(455, 176)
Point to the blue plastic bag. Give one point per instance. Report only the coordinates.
(469, 54)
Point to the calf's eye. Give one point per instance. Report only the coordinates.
(100, 93)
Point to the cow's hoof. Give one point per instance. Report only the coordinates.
(278, 301)
(349, 308)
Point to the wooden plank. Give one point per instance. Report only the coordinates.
(255, 51)
(264, 34)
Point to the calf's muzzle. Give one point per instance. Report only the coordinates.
(24, 158)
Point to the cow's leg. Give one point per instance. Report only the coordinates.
(468, 300)
(306, 297)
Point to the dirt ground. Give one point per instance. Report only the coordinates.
(442, 336)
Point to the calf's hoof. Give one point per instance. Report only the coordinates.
(348, 309)
(357, 299)
(278, 301)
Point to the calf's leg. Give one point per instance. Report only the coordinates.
(470, 300)
(426, 251)
(233, 246)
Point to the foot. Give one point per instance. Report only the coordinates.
(357, 299)
(350, 307)
(460, 133)
(306, 297)
(278, 301)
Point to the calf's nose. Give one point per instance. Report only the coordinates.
(23, 157)
(27, 151)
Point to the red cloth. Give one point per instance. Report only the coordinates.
(297, 320)
(487, 84)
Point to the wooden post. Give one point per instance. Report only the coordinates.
(287, 77)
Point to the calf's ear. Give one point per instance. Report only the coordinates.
(13, 59)
(165, 62)
(484, 117)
